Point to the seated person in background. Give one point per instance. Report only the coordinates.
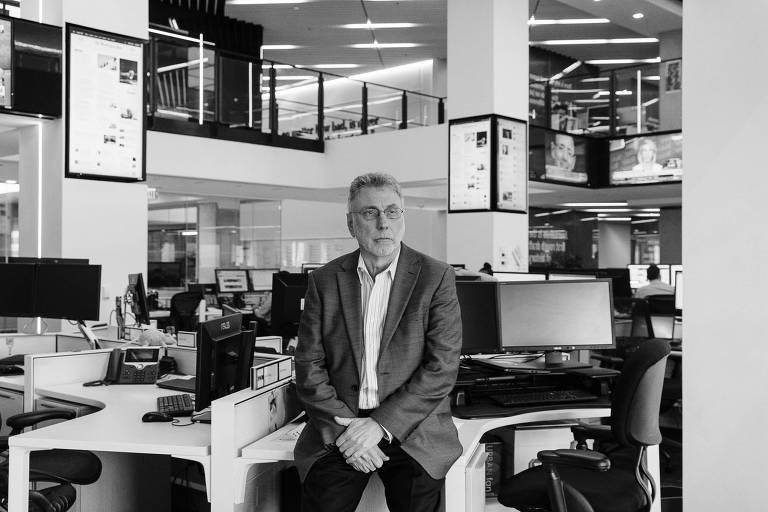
(263, 315)
(486, 269)
(655, 285)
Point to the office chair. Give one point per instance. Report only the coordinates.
(61, 467)
(613, 477)
(661, 311)
(183, 310)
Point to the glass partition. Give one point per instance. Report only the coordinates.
(239, 92)
(296, 102)
(343, 108)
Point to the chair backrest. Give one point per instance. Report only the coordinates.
(641, 319)
(183, 306)
(661, 310)
(637, 395)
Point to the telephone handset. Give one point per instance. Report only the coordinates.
(133, 365)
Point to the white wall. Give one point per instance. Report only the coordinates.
(726, 407)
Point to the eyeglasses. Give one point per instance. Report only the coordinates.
(392, 213)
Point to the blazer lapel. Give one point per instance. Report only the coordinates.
(349, 294)
(408, 268)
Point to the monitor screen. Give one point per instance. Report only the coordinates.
(479, 322)
(638, 276)
(646, 159)
(233, 280)
(620, 281)
(68, 291)
(165, 274)
(37, 68)
(557, 157)
(557, 276)
(17, 298)
(679, 290)
(556, 315)
(288, 291)
(673, 270)
(224, 359)
(139, 296)
(261, 278)
(517, 276)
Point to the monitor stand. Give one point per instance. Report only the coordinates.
(93, 341)
(556, 360)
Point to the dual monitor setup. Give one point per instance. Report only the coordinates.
(536, 316)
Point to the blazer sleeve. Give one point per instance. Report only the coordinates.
(313, 384)
(433, 380)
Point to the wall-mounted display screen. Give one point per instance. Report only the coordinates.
(36, 68)
(639, 160)
(511, 165)
(558, 157)
(469, 168)
(6, 59)
(105, 106)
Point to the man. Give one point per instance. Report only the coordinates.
(561, 160)
(655, 285)
(378, 354)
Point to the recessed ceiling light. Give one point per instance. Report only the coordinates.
(385, 45)
(379, 25)
(279, 47)
(572, 21)
(638, 15)
(11, 182)
(625, 40)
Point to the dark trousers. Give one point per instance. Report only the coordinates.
(332, 485)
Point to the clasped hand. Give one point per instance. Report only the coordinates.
(359, 443)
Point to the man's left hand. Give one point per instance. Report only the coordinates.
(361, 435)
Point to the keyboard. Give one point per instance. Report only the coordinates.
(523, 398)
(175, 405)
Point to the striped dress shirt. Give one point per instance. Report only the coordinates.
(375, 301)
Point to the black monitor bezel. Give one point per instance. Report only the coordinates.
(141, 311)
(635, 136)
(65, 305)
(556, 348)
(465, 351)
(247, 280)
(279, 286)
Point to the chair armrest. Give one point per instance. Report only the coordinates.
(18, 422)
(587, 459)
(597, 432)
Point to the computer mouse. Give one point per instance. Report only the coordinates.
(153, 416)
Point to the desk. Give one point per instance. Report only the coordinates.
(277, 447)
(115, 428)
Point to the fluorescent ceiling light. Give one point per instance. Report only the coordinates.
(591, 101)
(9, 188)
(647, 215)
(644, 221)
(624, 61)
(596, 79)
(608, 210)
(290, 77)
(276, 66)
(616, 219)
(585, 219)
(650, 102)
(189, 233)
(638, 15)
(567, 70)
(279, 46)
(622, 92)
(571, 21)
(385, 45)
(11, 182)
(265, 2)
(329, 66)
(577, 91)
(582, 205)
(374, 26)
(625, 40)
(652, 77)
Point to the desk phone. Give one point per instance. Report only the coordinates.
(133, 365)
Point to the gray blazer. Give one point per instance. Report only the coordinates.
(418, 359)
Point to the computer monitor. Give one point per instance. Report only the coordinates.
(556, 316)
(638, 275)
(288, 291)
(138, 298)
(30, 259)
(208, 290)
(620, 281)
(306, 268)
(562, 276)
(261, 278)
(506, 277)
(224, 359)
(68, 291)
(679, 291)
(673, 270)
(18, 292)
(231, 280)
(165, 274)
(479, 317)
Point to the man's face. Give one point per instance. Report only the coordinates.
(378, 237)
(563, 152)
(647, 153)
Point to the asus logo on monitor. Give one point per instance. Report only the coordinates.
(225, 326)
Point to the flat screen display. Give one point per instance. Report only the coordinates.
(37, 66)
(557, 157)
(68, 291)
(673, 270)
(261, 278)
(6, 60)
(105, 106)
(506, 277)
(638, 276)
(479, 324)
(646, 159)
(231, 280)
(511, 165)
(569, 277)
(469, 167)
(679, 290)
(17, 298)
(556, 315)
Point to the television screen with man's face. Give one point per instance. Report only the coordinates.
(557, 157)
(646, 159)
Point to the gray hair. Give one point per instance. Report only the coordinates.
(373, 179)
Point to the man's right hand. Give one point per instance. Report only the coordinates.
(369, 460)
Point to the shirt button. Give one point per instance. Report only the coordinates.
(355, 388)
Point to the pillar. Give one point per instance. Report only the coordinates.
(487, 48)
(615, 248)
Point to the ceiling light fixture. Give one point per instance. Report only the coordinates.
(624, 40)
(585, 219)
(329, 66)
(376, 44)
(576, 91)
(625, 61)
(644, 221)
(567, 70)
(290, 77)
(279, 47)
(596, 79)
(265, 2)
(595, 205)
(374, 26)
(638, 15)
(571, 21)
(616, 219)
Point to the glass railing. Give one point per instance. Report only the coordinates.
(252, 100)
(638, 99)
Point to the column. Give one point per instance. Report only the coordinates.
(724, 250)
(488, 56)
(615, 248)
(670, 101)
(103, 221)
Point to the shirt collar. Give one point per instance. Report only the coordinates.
(362, 270)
